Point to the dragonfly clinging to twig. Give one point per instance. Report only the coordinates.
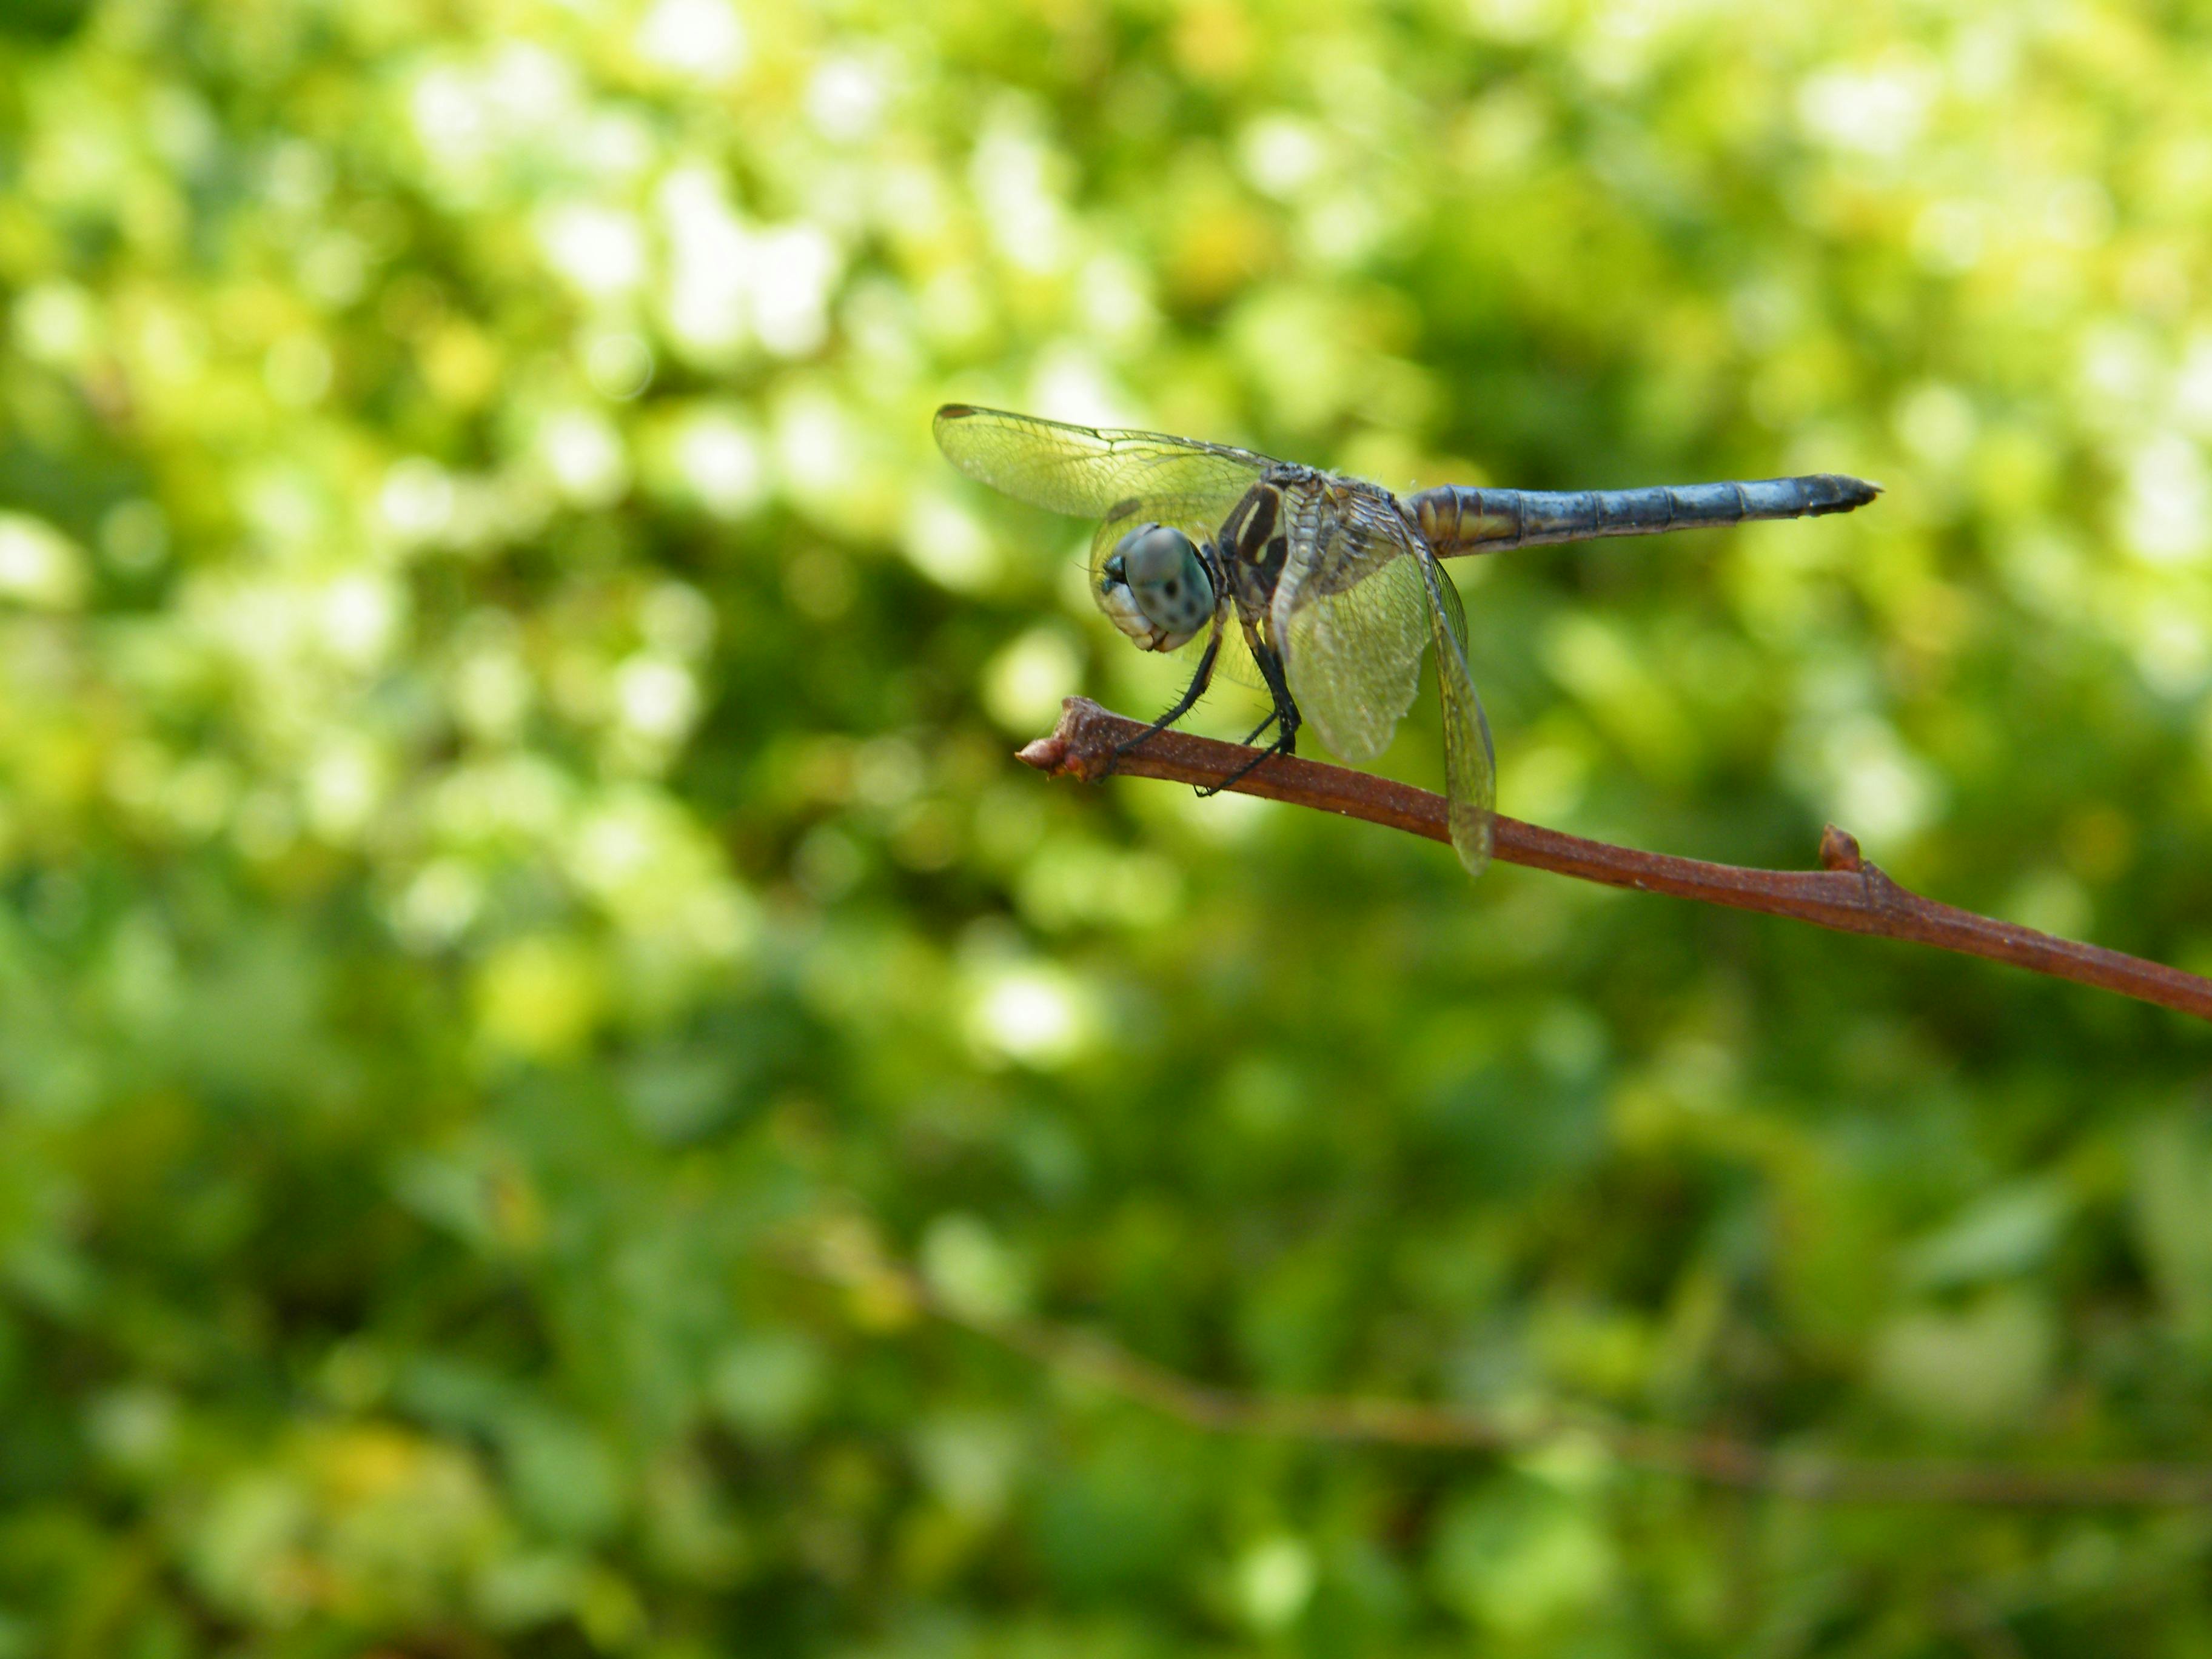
(1327, 588)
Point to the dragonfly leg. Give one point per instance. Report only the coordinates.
(1286, 712)
(1253, 736)
(1278, 687)
(1192, 693)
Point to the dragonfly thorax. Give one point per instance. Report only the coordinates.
(1157, 587)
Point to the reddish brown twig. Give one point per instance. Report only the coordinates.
(1846, 893)
(891, 1294)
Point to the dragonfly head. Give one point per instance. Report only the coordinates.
(1156, 588)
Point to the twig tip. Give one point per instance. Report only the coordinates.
(1048, 754)
(1075, 748)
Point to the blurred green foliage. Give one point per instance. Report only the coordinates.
(507, 813)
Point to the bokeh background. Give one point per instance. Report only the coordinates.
(509, 829)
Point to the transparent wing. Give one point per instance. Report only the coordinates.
(1351, 615)
(1470, 763)
(1361, 597)
(1121, 478)
(1353, 657)
(1089, 472)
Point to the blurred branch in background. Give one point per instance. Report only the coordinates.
(1847, 893)
(848, 1256)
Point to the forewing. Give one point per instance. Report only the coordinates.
(1351, 615)
(1088, 472)
(1353, 657)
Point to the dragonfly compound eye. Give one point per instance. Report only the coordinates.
(1160, 571)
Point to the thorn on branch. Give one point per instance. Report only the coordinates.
(1839, 849)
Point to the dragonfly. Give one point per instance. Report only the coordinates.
(1325, 590)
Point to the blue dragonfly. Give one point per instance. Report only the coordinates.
(1322, 589)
